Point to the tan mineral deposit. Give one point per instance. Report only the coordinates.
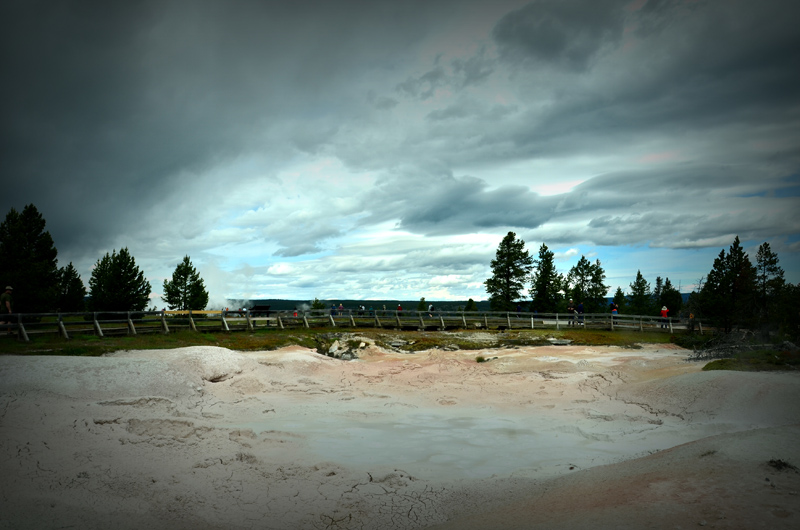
(554, 437)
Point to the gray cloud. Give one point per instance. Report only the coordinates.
(309, 137)
(565, 34)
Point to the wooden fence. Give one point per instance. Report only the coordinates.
(131, 323)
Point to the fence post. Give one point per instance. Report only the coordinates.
(96, 325)
(164, 326)
(131, 329)
(441, 319)
(558, 324)
(464, 320)
(485, 322)
(531, 321)
(23, 335)
(225, 326)
(61, 328)
(612, 321)
(700, 324)
(641, 324)
(191, 321)
(352, 321)
(305, 321)
(397, 317)
(508, 319)
(280, 322)
(247, 317)
(670, 324)
(377, 320)
(333, 322)
(421, 322)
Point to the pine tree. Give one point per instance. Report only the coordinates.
(657, 290)
(510, 270)
(421, 305)
(578, 280)
(585, 283)
(186, 290)
(620, 299)
(117, 284)
(317, 304)
(471, 305)
(596, 296)
(727, 296)
(71, 291)
(641, 298)
(28, 261)
(769, 278)
(546, 282)
(671, 298)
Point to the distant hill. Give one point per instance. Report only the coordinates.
(444, 305)
(286, 305)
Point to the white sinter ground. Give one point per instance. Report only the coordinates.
(542, 437)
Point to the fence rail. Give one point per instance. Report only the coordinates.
(134, 322)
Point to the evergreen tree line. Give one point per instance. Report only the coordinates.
(739, 294)
(735, 293)
(514, 269)
(29, 264)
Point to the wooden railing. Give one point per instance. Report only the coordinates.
(131, 323)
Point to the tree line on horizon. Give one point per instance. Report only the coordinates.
(735, 293)
(29, 264)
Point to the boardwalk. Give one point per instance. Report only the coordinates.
(132, 323)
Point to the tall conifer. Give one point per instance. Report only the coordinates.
(510, 270)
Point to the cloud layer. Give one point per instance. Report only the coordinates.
(383, 149)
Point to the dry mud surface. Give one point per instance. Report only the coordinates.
(540, 437)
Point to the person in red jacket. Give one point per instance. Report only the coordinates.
(664, 314)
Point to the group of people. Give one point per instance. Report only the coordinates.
(361, 310)
(574, 310)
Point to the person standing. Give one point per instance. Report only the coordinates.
(6, 302)
(664, 315)
(571, 312)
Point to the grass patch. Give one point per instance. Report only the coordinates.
(273, 338)
(758, 361)
(480, 359)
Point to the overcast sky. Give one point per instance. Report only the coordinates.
(382, 149)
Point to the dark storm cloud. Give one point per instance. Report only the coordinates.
(565, 34)
(106, 101)
(684, 208)
(473, 70)
(473, 109)
(682, 66)
(460, 73)
(436, 204)
(424, 85)
(258, 131)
